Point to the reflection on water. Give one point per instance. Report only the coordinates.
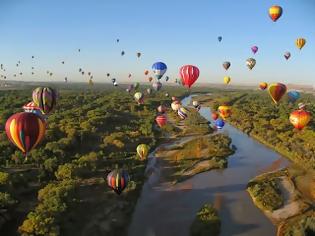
(163, 209)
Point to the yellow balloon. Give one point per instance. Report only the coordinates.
(227, 79)
(225, 111)
(300, 42)
(143, 151)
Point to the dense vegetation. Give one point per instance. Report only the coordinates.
(206, 223)
(63, 180)
(256, 114)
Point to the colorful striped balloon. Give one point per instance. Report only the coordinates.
(45, 98)
(25, 130)
(276, 91)
(300, 42)
(275, 12)
(183, 113)
(300, 118)
(118, 180)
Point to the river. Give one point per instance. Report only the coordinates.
(162, 210)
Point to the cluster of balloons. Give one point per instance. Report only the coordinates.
(27, 129)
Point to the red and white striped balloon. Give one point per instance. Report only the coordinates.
(189, 75)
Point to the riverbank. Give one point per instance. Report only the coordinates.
(285, 196)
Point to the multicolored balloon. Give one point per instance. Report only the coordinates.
(175, 105)
(118, 180)
(225, 111)
(300, 118)
(159, 69)
(250, 62)
(189, 74)
(287, 55)
(143, 151)
(226, 65)
(276, 91)
(161, 120)
(254, 49)
(293, 96)
(25, 130)
(139, 97)
(275, 12)
(300, 42)
(183, 113)
(263, 85)
(45, 98)
(31, 107)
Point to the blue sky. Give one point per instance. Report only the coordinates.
(173, 31)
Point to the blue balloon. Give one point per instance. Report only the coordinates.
(293, 96)
(159, 68)
(219, 123)
(220, 38)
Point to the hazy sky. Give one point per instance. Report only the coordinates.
(176, 32)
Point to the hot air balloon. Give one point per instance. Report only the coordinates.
(250, 62)
(167, 95)
(275, 12)
(219, 123)
(175, 105)
(62, 62)
(174, 98)
(139, 97)
(196, 105)
(301, 106)
(225, 111)
(117, 40)
(161, 109)
(183, 113)
(32, 108)
(45, 98)
(122, 53)
(89, 73)
(276, 91)
(189, 74)
(143, 151)
(149, 90)
(263, 85)
(300, 42)
(220, 38)
(82, 72)
(80, 69)
(32, 57)
(157, 85)
(146, 72)
(214, 115)
(138, 54)
(161, 120)
(293, 96)
(79, 50)
(129, 76)
(25, 130)
(300, 118)
(108, 74)
(226, 65)
(113, 80)
(287, 55)
(159, 69)
(227, 79)
(115, 84)
(167, 78)
(150, 79)
(254, 49)
(118, 180)
(66, 79)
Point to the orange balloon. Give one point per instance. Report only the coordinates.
(300, 118)
(275, 12)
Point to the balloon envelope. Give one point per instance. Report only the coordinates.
(263, 85)
(275, 12)
(25, 130)
(254, 49)
(143, 151)
(118, 180)
(287, 55)
(226, 65)
(161, 120)
(300, 118)
(250, 62)
(300, 42)
(227, 79)
(219, 123)
(159, 69)
(189, 74)
(225, 111)
(276, 91)
(45, 98)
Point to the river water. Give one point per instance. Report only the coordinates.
(164, 210)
